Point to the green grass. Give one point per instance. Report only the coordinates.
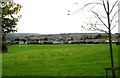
(58, 60)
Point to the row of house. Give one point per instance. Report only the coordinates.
(64, 38)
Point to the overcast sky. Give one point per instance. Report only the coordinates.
(51, 16)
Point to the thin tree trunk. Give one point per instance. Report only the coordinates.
(110, 39)
(3, 38)
(4, 44)
(111, 54)
(110, 47)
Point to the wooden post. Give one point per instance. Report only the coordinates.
(106, 73)
(111, 68)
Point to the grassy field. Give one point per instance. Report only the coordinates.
(58, 60)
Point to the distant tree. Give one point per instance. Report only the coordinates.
(69, 39)
(104, 36)
(37, 40)
(72, 38)
(105, 15)
(98, 36)
(85, 37)
(90, 37)
(17, 39)
(45, 39)
(9, 17)
(26, 37)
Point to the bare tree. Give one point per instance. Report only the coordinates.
(105, 20)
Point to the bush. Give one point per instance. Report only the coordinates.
(90, 42)
(47, 42)
(96, 42)
(118, 43)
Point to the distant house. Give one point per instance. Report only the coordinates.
(21, 42)
(57, 42)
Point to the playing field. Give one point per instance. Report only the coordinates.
(58, 60)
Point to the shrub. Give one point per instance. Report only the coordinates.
(118, 43)
(47, 42)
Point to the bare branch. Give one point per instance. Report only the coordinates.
(84, 7)
(98, 28)
(88, 29)
(93, 27)
(102, 30)
(104, 17)
(108, 7)
(104, 7)
(101, 0)
(114, 25)
(100, 19)
(96, 24)
(11, 16)
(114, 6)
(114, 15)
(90, 4)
